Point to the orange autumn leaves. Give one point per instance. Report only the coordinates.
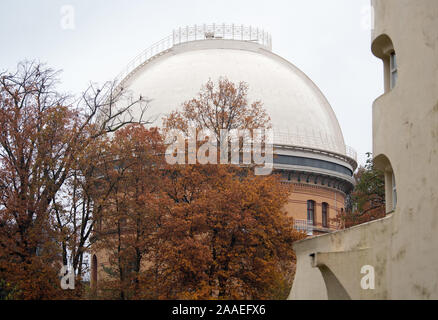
(194, 231)
(213, 231)
(50, 145)
(183, 231)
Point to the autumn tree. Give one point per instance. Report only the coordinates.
(367, 201)
(45, 138)
(193, 231)
(131, 169)
(219, 106)
(225, 234)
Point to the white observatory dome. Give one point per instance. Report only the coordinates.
(174, 70)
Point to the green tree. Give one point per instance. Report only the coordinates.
(367, 201)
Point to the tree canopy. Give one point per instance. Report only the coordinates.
(81, 175)
(367, 201)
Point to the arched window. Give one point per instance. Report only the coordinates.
(325, 214)
(382, 163)
(94, 272)
(383, 48)
(311, 219)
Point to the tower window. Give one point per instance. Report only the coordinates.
(311, 212)
(325, 215)
(393, 69)
(94, 272)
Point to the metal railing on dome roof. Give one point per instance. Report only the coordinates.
(222, 31)
(194, 33)
(350, 152)
(314, 139)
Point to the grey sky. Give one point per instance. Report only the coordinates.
(327, 39)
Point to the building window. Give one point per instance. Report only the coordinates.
(325, 215)
(393, 69)
(394, 192)
(94, 272)
(311, 212)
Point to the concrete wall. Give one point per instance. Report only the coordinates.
(402, 247)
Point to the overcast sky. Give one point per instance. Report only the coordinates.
(327, 39)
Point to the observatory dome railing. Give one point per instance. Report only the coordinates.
(316, 140)
(194, 33)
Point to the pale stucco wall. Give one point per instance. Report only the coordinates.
(403, 247)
